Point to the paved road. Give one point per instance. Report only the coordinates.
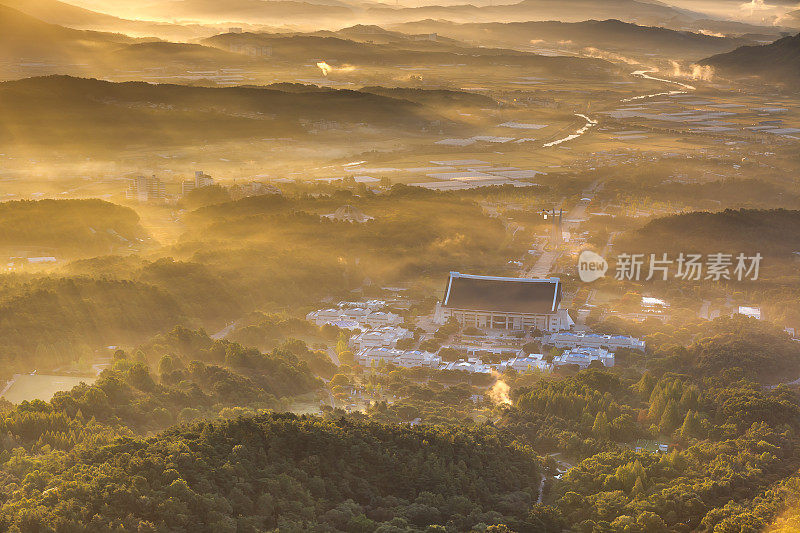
(704, 309)
(544, 264)
(333, 401)
(224, 332)
(9, 384)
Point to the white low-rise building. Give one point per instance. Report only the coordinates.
(749, 311)
(366, 317)
(386, 336)
(374, 357)
(345, 323)
(471, 365)
(526, 364)
(567, 339)
(417, 359)
(486, 350)
(583, 357)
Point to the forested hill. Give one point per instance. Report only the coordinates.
(69, 227)
(773, 232)
(66, 112)
(289, 473)
(304, 48)
(608, 34)
(24, 36)
(779, 61)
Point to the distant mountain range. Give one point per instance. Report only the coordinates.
(64, 14)
(611, 35)
(779, 61)
(309, 15)
(270, 11)
(54, 49)
(253, 10)
(310, 48)
(564, 10)
(22, 36)
(635, 11)
(792, 19)
(87, 115)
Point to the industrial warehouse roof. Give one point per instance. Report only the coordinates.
(502, 295)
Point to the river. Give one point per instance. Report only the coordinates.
(590, 123)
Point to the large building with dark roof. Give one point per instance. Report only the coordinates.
(490, 302)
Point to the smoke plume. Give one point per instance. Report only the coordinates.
(608, 56)
(499, 391)
(694, 72)
(327, 69)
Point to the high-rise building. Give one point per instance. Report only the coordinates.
(201, 179)
(145, 189)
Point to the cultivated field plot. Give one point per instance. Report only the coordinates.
(41, 387)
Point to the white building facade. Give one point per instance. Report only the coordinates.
(583, 357)
(365, 317)
(567, 339)
(498, 303)
(375, 357)
(386, 336)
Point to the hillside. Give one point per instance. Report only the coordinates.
(333, 13)
(62, 13)
(93, 53)
(52, 322)
(611, 35)
(778, 61)
(635, 11)
(23, 36)
(72, 16)
(377, 34)
(792, 19)
(86, 114)
(297, 48)
(252, 11)
(190, 55)
(773, 232)
(434, 97)
(69, 228)
(294, 474)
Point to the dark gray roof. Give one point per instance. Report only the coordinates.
(503, 295)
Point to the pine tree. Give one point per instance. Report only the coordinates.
(600, 427)
(670, 418)
(645, 384)
(657, 403)
(638, 487)
(689, 399)
(341, 344)
(689, 427)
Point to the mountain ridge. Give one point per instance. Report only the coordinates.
(777, 61)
